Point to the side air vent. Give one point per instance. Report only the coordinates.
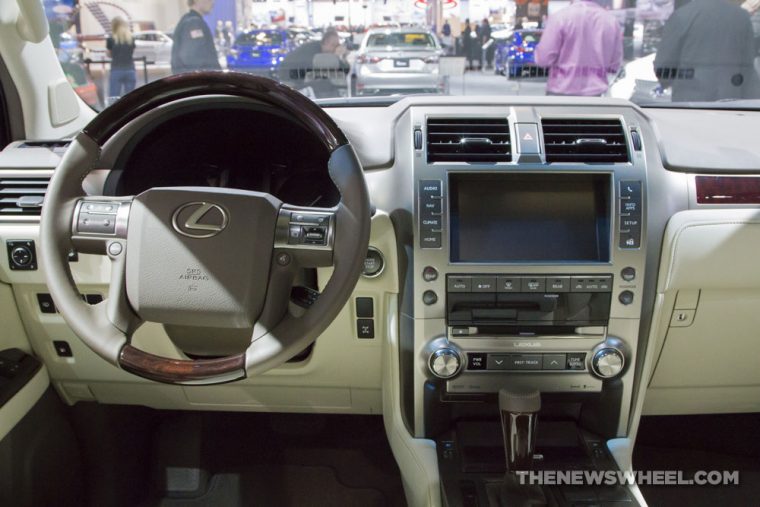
(593, 141)
(468, 140)
(22, 196)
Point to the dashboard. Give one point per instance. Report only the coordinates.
(586, 248)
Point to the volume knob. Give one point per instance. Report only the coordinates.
(445, 363)
(608, 363)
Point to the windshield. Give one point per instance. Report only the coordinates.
(682, 53)
(401, 40)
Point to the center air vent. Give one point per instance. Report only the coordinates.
(468, 140)
(22, 196)
(595, 141)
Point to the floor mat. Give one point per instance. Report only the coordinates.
(275, 486)
(701, 443)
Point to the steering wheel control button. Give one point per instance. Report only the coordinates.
(626, 297)
(283, 258)
(45, 302)
(22, 256)
(90, 223)
(444, 363)
(62, 348)
(365, 308)
(429, 297)
(115, 249)
(430, 274)
(365, 328)
(315, 235)
(628, 274)
(309, 218)
(374, 263)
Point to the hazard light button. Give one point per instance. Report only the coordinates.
(527, 139)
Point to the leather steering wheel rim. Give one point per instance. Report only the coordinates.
(107, 328)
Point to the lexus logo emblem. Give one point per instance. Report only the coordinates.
(200, 219)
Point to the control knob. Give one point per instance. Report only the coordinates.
(445, 363)
(607, 362)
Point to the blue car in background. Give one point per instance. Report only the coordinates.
(514, 56)
(259, 51)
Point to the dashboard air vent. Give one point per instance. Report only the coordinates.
(593, 141)
(468, 140)
(22, 196)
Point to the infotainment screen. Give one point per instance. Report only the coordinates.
(502, 218)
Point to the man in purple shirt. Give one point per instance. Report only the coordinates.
(581, 44)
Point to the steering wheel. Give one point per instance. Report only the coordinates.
(205, 257)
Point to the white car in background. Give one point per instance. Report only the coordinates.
(637, 82)
(154, 45)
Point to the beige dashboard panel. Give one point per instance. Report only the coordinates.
(707, 341)
(342, 375)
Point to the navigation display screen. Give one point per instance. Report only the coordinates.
(503, 218)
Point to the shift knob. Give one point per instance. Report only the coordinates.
(519, 414)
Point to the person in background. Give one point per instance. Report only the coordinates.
(299, 62)
(121, 48)
(580, 46)
(193, 47)
(485, 36)
(467, 42)
(703, 60)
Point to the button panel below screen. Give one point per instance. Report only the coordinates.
(553, 361)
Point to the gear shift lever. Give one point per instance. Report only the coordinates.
(519, 415)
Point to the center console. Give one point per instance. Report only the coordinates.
(527, 275)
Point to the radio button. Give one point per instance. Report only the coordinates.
(476, 361)
(554, 361)
(430, 274)
(499, 362)
(430, 188)
(576, 361)
(533, 284)
(484, 284)
(558, 284)
(459, 284)
(525, 362)
(508, 284)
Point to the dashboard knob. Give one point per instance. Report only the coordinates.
(607, 363)
(445, 363)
